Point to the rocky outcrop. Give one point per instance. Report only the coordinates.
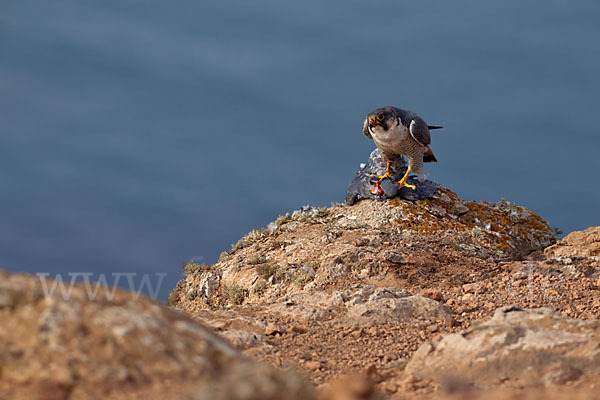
(389, 294)
(526, 347)
(357, 290)
(75, 346)
(577, 244)
(316, 248)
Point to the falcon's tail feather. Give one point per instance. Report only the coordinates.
(429, 157)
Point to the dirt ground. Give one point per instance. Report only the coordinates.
(285, 294)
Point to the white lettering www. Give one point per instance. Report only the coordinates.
(92, 287)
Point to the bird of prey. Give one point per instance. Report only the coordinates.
(397, 131)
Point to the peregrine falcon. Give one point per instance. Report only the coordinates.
(397, 131)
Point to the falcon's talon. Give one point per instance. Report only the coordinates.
(397, 131)
(402, 184)
(386, 175)
(382, 177)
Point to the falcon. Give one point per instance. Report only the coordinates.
(397, 131)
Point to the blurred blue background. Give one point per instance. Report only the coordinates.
(138, 134)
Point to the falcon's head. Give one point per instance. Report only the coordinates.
(380, 120)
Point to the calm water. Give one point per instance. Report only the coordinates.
(138, 134)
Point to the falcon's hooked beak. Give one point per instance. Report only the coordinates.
(373, 122)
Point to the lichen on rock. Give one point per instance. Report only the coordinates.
(350, 243)
(377, 285)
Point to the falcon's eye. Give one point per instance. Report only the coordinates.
(380, 117)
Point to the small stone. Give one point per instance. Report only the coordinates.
(470, 287)
(357, 333)
(373, 331)
(337, 299)
(468, 298)
(458, 208)
(313, 365)
(438, 211)
(298, 329)
(272, 329)
(519, 283)
(520, 275)
(433, 294)
(389, 386)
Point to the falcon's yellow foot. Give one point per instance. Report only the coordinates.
(402, 182)
(386, 175)
(382, 177)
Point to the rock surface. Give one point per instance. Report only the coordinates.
(527, 347)
(356, 290)
(316, 248)
(52, 347)
(378, 300)
(577, 244)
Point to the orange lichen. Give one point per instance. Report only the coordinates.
(504, 224)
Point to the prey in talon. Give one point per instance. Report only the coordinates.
(397, 131)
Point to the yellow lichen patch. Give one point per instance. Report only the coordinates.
(503, 225)
(421, 217)
(336, 245)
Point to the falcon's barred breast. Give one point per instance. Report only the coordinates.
(397, 131)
